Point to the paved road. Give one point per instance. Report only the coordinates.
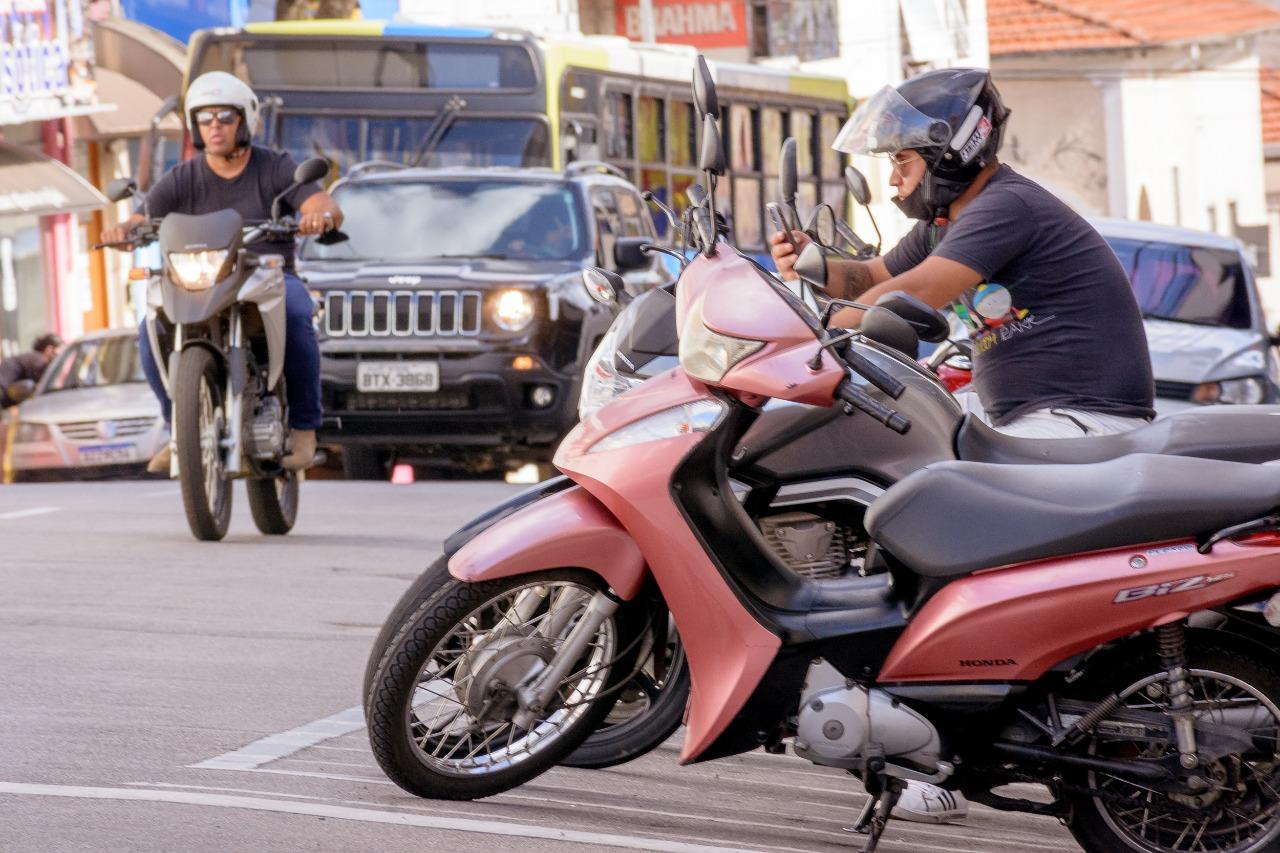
(162, 694)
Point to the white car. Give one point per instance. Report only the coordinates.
(92, 414)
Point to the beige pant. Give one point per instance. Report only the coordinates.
(1056, 422)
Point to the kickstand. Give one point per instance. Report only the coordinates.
(875, 814)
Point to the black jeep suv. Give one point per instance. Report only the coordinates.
(454, 324)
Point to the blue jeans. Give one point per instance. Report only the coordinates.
(301, 360)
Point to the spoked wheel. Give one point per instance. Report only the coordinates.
(1238, 811)
(200, 425)
(274, 502)
(443, 710)
(650, 708)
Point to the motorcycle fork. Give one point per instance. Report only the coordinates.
(237, 375)
(174, 355)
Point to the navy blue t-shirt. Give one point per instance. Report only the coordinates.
(192, 187)
(1055, 322)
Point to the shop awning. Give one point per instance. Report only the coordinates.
(32, 184)
(135, 105)
(140, 53)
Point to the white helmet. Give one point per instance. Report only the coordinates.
(220, 89)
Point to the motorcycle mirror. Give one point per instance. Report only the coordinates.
(812, 265)
(602, 285)
(857, 184)
(822, 225)
(885, 327)
(928, 322)
(711, 150)
(704, 89)
(121, 188)
(788, 174)
(310, 170)
(20, 390)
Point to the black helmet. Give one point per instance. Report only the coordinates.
(952, 117)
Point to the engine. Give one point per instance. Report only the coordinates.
(265, 434)
(813, 547)
(842, 724)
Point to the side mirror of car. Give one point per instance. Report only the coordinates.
(928, 322)
(310, 170)
(883, 326)
(628, 253)
(812, 265)
(857, 184)
(121, 189)
(21, 390)
(602, 285)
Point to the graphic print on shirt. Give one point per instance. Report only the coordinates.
(989, 313)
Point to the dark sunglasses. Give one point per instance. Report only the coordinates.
(224, 117)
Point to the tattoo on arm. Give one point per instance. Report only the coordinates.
(852, 279)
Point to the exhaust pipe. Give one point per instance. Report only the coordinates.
(1133, 770)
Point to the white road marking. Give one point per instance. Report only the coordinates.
(27, 513)
(277, 746)
(480, 827)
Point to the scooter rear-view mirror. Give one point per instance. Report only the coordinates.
(812, 265)
(310, 170)
(928, 322)
(704, 89)
(857, 184)
(121, 189)
(822, 225)
(885, 327)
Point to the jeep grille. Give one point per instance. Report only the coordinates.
(402, 313)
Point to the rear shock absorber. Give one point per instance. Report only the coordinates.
(1171, 643)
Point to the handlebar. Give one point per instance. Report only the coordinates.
(866, 368)
(856, 398)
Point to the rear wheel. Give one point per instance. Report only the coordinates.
(274, 502)
(199, 426)
(442, 709)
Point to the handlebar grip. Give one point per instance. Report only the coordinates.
(867, 369)
(867, 404)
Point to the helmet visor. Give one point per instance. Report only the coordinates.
(886, 123)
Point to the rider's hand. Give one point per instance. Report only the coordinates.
(117, 234)
(786, 251)
(314, 223)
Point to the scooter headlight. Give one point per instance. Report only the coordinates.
(197, 270)
(706, 355)
(700, 416)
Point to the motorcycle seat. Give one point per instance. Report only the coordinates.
(952, 518)
(1234, 433)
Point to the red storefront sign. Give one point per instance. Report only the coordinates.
(701, 23)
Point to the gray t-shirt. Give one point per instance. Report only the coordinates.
(192, 187)
(1055, 322)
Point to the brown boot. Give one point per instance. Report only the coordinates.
(302, 449)
(159, 463)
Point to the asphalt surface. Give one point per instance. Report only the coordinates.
(157, 693)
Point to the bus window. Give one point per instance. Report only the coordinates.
(747, 228)
(682, 141)
(651, 129)
(492, 142)
(802, 130)
(617, 126)
(831, 165)
(772, 133)
(744, 134)
(335, 139)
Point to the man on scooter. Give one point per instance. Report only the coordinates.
(1059, 345)
(222, 113)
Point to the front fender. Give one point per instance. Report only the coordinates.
(568, 529)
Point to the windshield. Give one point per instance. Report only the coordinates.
(94, 364)
(463, 218)
(1192, 284)
(467, 142)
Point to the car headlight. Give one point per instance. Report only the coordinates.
(685, 419)
(29, 432)
(706, 355)
(197, 270)
(1248, 391)
(601, 381)
(512, 310)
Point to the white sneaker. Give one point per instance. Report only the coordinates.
(925, 803)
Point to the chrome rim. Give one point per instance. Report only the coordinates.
(646, 686)
(211, 420)
(460, 716)
(1239, 814)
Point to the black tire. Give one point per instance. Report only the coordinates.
(274, 502)
(1092, 822)
(423, 635)
(206, 492)
(430, 583)
(646, 730)
(364, 463)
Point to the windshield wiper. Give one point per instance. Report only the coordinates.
(444, 119)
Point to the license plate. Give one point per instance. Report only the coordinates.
(398, 376)
(108, 454)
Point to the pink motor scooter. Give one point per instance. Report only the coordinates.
(1104, 629)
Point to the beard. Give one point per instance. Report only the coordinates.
(913, 205)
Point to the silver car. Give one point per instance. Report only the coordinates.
(1205, 328)
(92, 414)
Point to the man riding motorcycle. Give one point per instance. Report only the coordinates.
(1059, 345)
(222, 113)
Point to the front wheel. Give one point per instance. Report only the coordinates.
(199, 410)
(274, 502)
(442, 708)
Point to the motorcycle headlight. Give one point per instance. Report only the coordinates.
(1236, 392)
(687, 418)
(197, 270)
(601, 381)
(706, 355)
(512, 310)
(29, 432)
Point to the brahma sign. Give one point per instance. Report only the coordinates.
(701, 23)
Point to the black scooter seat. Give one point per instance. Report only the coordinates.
(952, 518)
(1232, 433)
